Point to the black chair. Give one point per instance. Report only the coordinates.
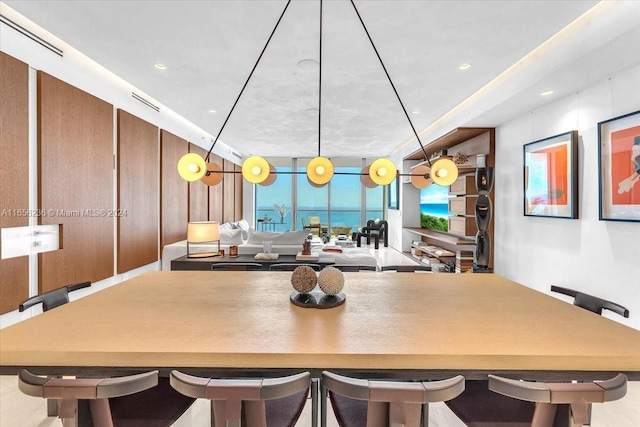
(236, 266)
(375, 230)
(405, 268)
(272, 402)
(52, 299)
(130, 401)
(366, 403)
(292, 266)
(560, 404)
(478, 406)
(590, 302)
(354, 268)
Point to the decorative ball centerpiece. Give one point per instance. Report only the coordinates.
(305, 294)
(304, 279)
(331, 280)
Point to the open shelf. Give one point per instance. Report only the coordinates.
(441, 236)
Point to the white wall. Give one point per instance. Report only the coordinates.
(597, 257)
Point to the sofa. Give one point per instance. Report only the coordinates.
(248, 241)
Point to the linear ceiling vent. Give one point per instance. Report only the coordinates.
(144, 101)
(30, 35)
(238, 156)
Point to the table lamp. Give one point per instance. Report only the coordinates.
(203, 232)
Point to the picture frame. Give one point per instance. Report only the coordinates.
(551, 176)
(619, 168)
(393, 191)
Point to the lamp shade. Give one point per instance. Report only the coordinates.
(255, 169)
(272, 176)
(444, 172)
(382, 171)
(421, 176)
(319, 170)
(213, 176)
(365, 179)
(203, 231)
(192, 167)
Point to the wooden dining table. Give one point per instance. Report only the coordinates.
(416, 325)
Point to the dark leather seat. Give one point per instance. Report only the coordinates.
(375, 230)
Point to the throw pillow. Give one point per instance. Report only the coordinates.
(230, 237)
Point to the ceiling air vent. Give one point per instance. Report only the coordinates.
(144, 101)
(8, 22)
(238, 156)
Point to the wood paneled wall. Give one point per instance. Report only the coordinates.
(229, 193)
(174, 200)
(14, 174)
(75, 181)
(138, 192)
(216, 192)
(198, 193)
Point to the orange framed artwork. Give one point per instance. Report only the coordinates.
(551, 176)
(619, 168)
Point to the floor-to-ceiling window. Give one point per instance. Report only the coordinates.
(274, 199)
(345, 199)
(310, 200)
(342, 204)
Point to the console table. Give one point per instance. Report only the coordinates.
(185, 263)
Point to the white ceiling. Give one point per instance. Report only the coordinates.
(209, 48)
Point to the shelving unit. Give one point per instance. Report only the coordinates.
(474, 142)
(440, 245)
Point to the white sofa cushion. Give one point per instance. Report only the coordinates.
(231, 237)
(284, 238)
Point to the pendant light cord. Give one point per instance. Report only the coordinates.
(320, 83)
(248, 78)
(391, 82)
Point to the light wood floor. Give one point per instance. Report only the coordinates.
(20, 410)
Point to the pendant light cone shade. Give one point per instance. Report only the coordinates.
(319, 171)
(192, 167)
(213, 176)
(444, 172)
(382, 171)
(421, 176)
(272, 176)
(255, 169)
(365, 179)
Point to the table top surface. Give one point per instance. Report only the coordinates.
(480, 322)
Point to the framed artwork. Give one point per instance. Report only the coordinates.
(393, 191)
(551, 176)
(619, 168)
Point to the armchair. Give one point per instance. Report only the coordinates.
(376, 230)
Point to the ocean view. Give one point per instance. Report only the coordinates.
(339, 218)
(435, 209)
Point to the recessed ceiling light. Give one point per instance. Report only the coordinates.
(160, 66)
(212, 111)
(546, 93)
(465, 66)
(312, 110)
(415, 112)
